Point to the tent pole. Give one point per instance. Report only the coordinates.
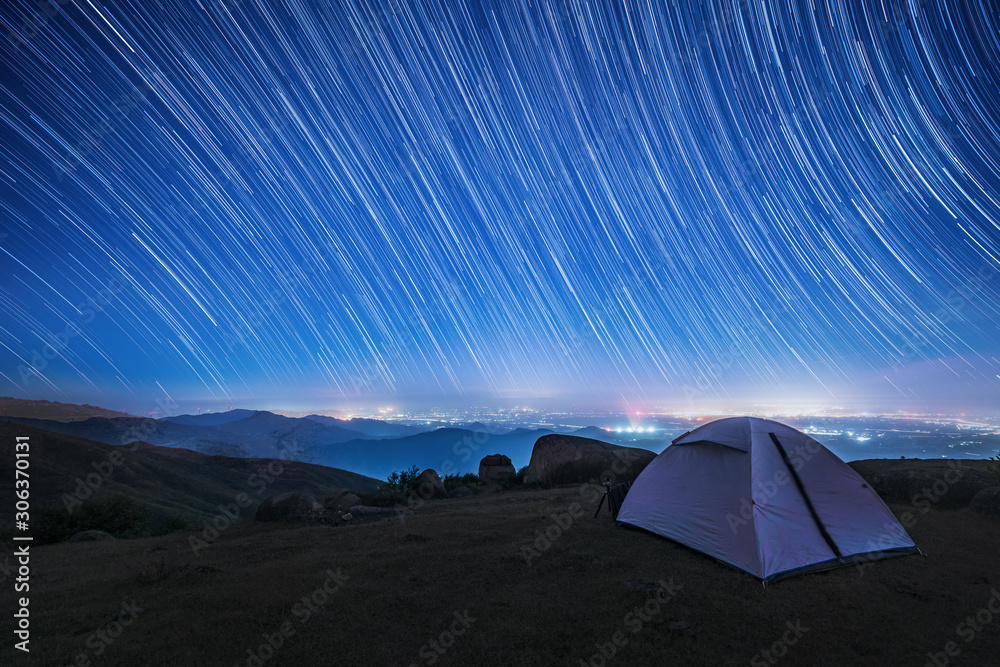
(805, 496)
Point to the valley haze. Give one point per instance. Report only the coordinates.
(453, 441)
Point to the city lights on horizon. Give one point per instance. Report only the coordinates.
(631, 421)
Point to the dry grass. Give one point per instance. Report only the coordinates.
(405, 582)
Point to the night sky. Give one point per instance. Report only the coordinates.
(326, 203)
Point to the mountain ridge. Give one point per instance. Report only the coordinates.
(54, 410)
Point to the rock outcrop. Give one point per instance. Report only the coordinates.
(930, 483)
(566, 459)
(987, 501)
(495, 467)
(340, 499)
(427, 485)
(460, 492)
(291, 507)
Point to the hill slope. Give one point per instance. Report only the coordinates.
(115, 431)
(474, 575)
(63, 412)
(169, 480)
(261, 434)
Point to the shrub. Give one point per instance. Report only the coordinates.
(386, 495)
(114, 513)
(514, 480)
(400, 480)
(469, 479)
(994, 468)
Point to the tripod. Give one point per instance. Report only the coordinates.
(615, 495)
(607, 490)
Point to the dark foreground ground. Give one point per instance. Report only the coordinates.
(451, 586)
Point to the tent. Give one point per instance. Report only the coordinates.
(764, 498)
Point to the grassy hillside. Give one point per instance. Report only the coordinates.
(452, 586)
(168, 480)
(116, 430)
(260, 435)
(61, 412)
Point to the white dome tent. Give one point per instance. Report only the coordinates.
(764, 498)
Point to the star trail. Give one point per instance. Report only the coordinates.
(630, 203)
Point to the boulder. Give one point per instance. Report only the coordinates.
(460, 492)
(428, 484)
(90, 536)
(567, 459)
(333, 494)
(987, 501)
(340, 499)
(291, 506)
(495, 467)
(930, 484)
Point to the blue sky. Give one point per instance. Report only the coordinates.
(333, 202)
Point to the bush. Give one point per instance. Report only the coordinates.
(469, 479)
(114, 513)
(386, 495)
(400, 480)
(994, 468)
(514, 480)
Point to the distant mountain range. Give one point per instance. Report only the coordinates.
(366, 446)
(446, 450)
(210, 418)
(266, 435)
(374, 428)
